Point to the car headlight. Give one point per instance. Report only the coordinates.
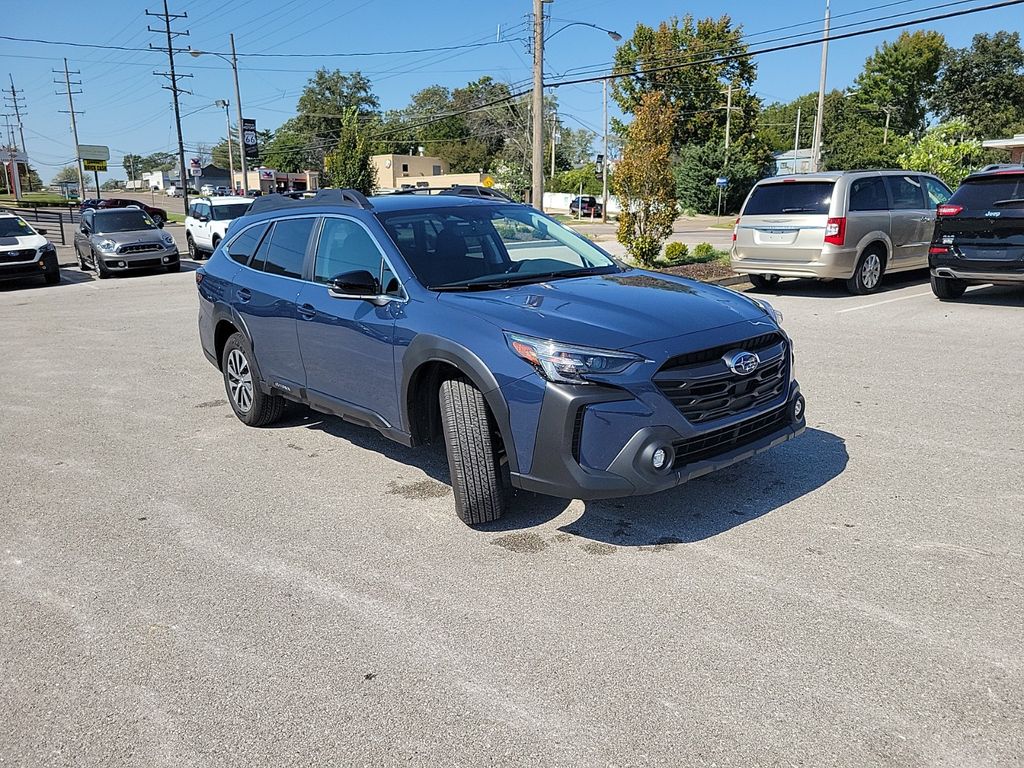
(168, 240)
(106, 245)
(771, 311)
(567, 363)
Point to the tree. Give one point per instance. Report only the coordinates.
(570, 181)
(698, 165)
(158, 161)
(323, 108)
(984, 85)
(712, 53)
(643, 180)
(132, 165)
(65, 175)
(900, 76)
(112, 184)
(348, 165)
(946, 151)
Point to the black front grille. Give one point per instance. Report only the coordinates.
(10, 257)
(720, 441)
(143, 263)
(703, 388)
(577, 433)
(140, 248)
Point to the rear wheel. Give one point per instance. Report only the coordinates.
(764, 282)
(157, 219)
(474, 453)
(251, 405)
(193, 252)
(948, 288)
(868, 275)
(214, 243)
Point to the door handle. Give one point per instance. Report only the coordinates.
(243, 294)
(307, 311)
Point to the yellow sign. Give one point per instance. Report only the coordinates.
(488, 181)
(95, 165)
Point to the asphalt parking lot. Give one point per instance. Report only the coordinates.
(177, 589)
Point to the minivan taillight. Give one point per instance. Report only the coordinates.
(948, 209)
(835, 231)
(735, 224)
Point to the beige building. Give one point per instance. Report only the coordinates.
(1014, 146)
(408, 171)
(267, 180)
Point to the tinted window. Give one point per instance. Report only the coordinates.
(906, 192)
(243, 246)
(229, 212)
(287, 247)
(868, 195)
(344, 246)
(790, 197)
(12, 226)
(1007, 191)
(123, 220)
(936, 192)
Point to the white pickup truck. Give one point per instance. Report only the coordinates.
(207, 221)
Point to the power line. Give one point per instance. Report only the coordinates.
(173, 77)
(70, 93)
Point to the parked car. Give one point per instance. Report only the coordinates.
(542, 362)
(25, 251)
(115, 240)
(855, 226)
(173, 191)
(222, 191)
(92, 202)
(207, 190)
(979, 233)
(589, 204)
(207, 221)
(254, 193)
(159, 215)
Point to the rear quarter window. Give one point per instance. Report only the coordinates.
(984, 193)
(795, 197)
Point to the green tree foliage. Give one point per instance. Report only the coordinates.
(697, 166)
(111, 184)
(946, 151)
(901, 76)
(776, 125)
(643, 180)
(219, 151)
(291, 151)
(132, 165)
(570, 181)
(984, 85)
(348, 164)
(66, 174)
(693, 94)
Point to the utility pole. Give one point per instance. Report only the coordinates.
(537, 107)
(554, 136)
(796, 139)
(15, 102)
(13, 183)
(231, 156)
(167, 17)
(238, 107)
(819, 119)
(728, 122)
(604, 165)
(74, 125)
(888, 114)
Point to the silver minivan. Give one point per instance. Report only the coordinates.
(847, 225)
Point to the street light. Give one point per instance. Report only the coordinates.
(231, 158)
(537, 101)
(233, 61)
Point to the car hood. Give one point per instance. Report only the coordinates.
(615, 311)
(21, 242)
(130, 238)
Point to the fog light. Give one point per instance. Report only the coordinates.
(798, 408)
(166, 259)
(659, 458)
(120, 263)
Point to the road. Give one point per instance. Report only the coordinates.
(179, 590)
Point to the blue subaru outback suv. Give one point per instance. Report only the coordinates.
(545, 364)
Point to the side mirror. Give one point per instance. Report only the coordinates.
(203, 219)
(358, 284)
(160, 224)
(41, 231)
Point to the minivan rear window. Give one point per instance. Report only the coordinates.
(990, 192)
(806, 197)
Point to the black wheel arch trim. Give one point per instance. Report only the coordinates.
(427, 348)
(222, 312)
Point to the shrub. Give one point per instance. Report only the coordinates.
(704, 252)
(676, 251)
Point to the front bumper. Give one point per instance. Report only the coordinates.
(41, 265)
(557, 468)
(124, 262)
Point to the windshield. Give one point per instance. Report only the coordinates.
(790, 197)
(14, 227)
(229, 212)
(991, 192)
(122, 221)
(490, 246)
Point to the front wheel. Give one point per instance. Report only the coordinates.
(474, 453)
(175, 267)
(101, 269)
(868, 275)
(764, 282)
(948, 288)
(251, 405)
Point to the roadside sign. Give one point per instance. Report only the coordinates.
(488, 181)
(249, 138)
(93, 152)
(94, 165)
(722, 181)
(196, 171)
(194, 163)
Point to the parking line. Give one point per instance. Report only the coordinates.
(898, 298)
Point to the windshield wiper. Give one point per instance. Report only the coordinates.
(798, 210)
(489, 281)
(1010, 201)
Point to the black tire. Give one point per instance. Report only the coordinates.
(193, 251)
(81, 261)
(764, 282)
(175, 267)
(478, 473)
(867, 278)
(258, 408)
(948, 288)
(214, 242)
(52, 276)
(101, 271)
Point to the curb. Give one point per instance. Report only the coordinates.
(725, 281)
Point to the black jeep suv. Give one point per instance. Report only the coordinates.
(979, 233)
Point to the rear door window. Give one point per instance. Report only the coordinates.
(936, 192)
(906, 192)
(795, 197)
(243, 246)
(868, 194)
(994, 192)
(287, 247)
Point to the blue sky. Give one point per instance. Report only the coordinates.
(126, 109)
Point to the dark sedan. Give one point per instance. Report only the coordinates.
(159, 215)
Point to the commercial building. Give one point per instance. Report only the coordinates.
(268, 180)
(1014, 146)
(408, 171)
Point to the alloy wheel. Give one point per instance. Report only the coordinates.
(871, 270)
(240, 380)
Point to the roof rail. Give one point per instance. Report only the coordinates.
(1001, 167)
(462, 190)
(350, 197)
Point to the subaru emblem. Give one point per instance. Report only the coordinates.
(742, 363)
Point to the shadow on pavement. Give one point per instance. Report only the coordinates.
(822, 289)
(994, 295)
(67, 277)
